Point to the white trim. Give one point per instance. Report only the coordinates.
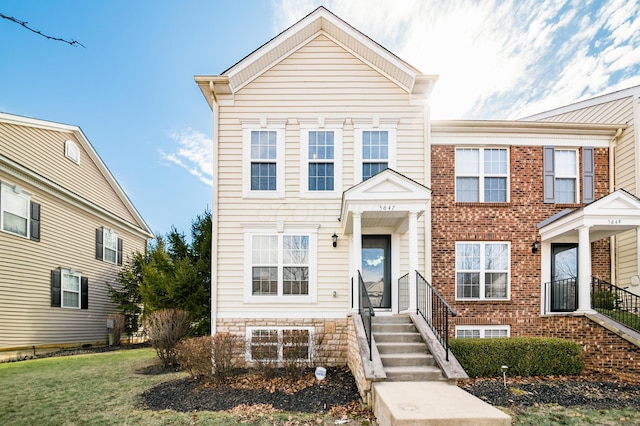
(7, 190)
(337, 163)
(74, 274)
(550, 139)
(312, 234)
(262, 313)
(247, 129)
(482, 271)
(357, 149)
(109, 232)
(482, 329)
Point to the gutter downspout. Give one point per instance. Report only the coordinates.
(215, 109)
(612, 187)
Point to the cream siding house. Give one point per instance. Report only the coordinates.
(330, 179)
(618, 107)
(65, 228)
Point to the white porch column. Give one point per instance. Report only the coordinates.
(413, 259)
(584, 270)
(357, 256)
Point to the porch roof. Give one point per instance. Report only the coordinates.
(384, 201)
(610, 215)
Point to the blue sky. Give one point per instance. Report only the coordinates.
(131, 89)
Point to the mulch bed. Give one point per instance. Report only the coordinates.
(303, 394)
(590, 390)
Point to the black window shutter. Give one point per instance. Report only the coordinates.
(55, 288)
(99, 251)
(119, 260)
(35, 221)
(549, 174)
(84, 293)
(588, 175)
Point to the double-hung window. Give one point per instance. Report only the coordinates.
(18, 214)
(482, 175)
(561, 175)
(482, 270)
(280, 265)
(321, 163)
(375, 151)
(263, 162)
(108, 246)
(69, 289)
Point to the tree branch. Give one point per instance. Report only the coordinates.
(24, 24)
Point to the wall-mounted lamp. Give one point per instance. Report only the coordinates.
(535, 246)
(334, 237)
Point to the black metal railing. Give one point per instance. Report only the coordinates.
(616, 303)
(403, 292)
(435, 311)
(561, 295)
(366, 313)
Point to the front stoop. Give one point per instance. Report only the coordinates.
(404, 355)
(432, 403)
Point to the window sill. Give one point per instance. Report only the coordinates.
(279, 299)
(482, 204)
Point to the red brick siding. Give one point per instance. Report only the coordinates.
(516, 222)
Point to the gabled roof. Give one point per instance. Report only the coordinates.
(610, 215)
(320, 21)
(608, 97)
(93, 155)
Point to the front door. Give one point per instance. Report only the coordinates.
(376, 269)
(564, 273)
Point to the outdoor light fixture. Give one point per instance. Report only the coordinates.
(335, 240)
(504, 374)
(535, 246)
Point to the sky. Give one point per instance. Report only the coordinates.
(131, 88)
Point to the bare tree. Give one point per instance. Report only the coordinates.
(25, 25)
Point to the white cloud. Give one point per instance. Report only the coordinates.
(194, 153)
(500, 59)
(375, 262)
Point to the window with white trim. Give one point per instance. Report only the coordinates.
(71, 151)
(110, 245)
(18, 214)
(321, 163)
(70, 289)
(482, 270)
(566, 176)
(263, 160)
(279, 344)
(281, 266)
(482, 175)
(482, 331)
(375, 152)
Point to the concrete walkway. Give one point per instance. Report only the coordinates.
(432, 403)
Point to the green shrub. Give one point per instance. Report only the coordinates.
(525, 356)
(604, 299)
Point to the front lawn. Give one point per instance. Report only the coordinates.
(104, 389)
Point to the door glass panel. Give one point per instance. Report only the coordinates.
(564, 270)
(376, 269)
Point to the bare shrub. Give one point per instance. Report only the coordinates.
(117, 323)
(296, 352)
(227, 348)
(194, 356)
(165, 328)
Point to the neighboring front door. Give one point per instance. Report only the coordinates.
(376, 269)
(564, 273)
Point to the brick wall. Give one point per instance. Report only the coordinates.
(516, 222)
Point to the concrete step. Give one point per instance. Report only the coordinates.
(393, 328)
(395, 319)
(432, 403)
(398, 337)
(406, 360)
(394, 347)
(423, 373)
